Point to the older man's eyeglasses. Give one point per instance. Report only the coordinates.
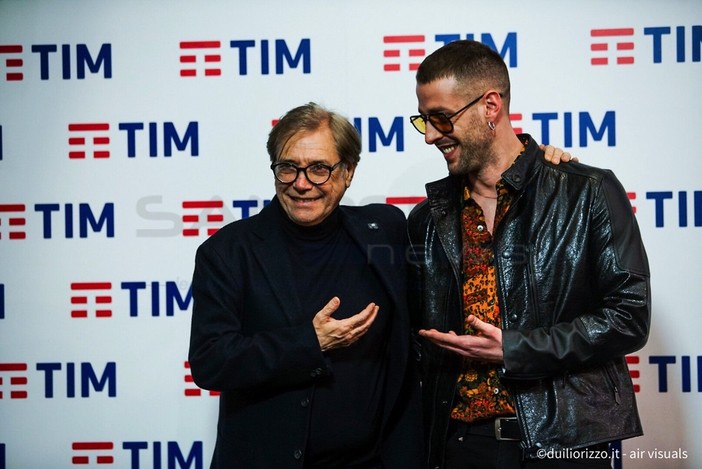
(317, 173)
(439, 120)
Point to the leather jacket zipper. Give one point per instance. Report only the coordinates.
(610, 378)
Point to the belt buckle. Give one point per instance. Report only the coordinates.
(498, 429)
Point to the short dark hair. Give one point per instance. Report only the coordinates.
(475, 66)
(310, 117)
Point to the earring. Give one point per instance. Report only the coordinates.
(491, 125)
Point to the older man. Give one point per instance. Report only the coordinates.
(300, 317)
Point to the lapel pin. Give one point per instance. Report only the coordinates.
(372, 226)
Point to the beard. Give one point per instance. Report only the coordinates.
(476, 150)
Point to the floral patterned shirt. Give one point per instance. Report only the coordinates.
(480, 392)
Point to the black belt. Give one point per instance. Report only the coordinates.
(501, 428)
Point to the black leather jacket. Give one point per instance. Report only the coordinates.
(574, 294)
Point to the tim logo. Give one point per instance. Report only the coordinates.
(685, 206)
(136, 454)
(193, 217)
(88, 139)
(403, 50)
(200, 56)
(205, 215)
(64, 59)
(191, 389)
(204, 58)
(95, 299)
(406, 52)
(92, 139)
(13, 380)
(616, 46)
(91, 298)
(13, 62)
(99, 451)
(12, 221)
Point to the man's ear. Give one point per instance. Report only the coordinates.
(349, 175)
(493, 105)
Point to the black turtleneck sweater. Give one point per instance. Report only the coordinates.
(345, 424)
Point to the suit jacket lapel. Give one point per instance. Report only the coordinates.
(369, 234)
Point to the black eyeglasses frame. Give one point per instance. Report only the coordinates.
(304, 171)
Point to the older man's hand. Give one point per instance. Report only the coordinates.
(335, 333)
(556, 155)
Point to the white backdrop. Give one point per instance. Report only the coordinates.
(129, 130)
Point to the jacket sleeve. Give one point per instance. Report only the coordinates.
(616, 319)
(222, 356)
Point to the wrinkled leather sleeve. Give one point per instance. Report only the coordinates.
(606, 271)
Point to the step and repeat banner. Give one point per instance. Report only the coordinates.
(130, 131)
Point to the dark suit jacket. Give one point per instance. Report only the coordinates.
(252, 341)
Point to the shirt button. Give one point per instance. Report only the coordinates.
(496, 391)
(481, 228)
(305, 402)
(297, 454)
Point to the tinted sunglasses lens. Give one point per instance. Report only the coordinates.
(440, 122)
(418, 123)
